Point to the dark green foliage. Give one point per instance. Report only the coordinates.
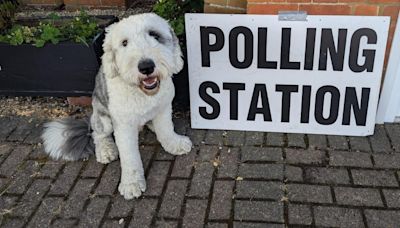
(174, 11)
(7, 12)
(80, 29)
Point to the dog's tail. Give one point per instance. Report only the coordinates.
(68, 139)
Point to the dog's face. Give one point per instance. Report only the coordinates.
(143, 50)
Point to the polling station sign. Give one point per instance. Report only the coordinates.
(256, 72)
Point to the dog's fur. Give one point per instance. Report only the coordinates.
(122, 104)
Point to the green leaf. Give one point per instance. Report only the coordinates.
(174, 12)
(81, 29)
(53, 16)
(39, 43)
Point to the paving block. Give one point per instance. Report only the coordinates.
(259, 190)
(183, 165)
(374, 178)
(195, 213)
(393, 131)
(387, 161)
(76, 199)
(202, 178)
(264, 171)
(221, 203)
(173, 199)
(157, 178)
(358, 196)
(254, 138)
(299, 156)
(14, 160)
(301, 193)
(300, 214)
(379, 218)
(120, 207)
(379, 140)
(293, 173)
(94, 212)
(259, 211)
(229, 162)
(350, 159)
(109, 180)
(338, 142)
(322, 175)
(275, 139)
(144, 211)
(296, 140)
(392, 197)
(235, 138)
(317, 142)
(66, 178)
(253, 153)
(337, 217)
(358, 143)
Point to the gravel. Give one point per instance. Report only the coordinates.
(40, 107)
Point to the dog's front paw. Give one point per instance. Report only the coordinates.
(106, 152)
(132, 190)
(179, 145)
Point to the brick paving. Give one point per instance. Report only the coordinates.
(230, 179)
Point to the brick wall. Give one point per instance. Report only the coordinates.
(78, 4)
(225, 6)
(44, 3)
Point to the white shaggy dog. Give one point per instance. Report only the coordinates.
(133, 88)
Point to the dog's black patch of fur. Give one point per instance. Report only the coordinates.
(79, 143)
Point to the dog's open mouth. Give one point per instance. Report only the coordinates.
(150, 85)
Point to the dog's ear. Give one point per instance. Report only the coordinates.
(178, 63)
(108, 59)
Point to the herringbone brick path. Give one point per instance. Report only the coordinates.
(230, 179)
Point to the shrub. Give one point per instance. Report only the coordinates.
(7, 12)
(174, 11)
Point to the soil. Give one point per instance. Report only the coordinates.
(40, 107)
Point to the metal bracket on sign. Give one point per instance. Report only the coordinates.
(292, 16)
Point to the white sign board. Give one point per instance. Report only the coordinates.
(257, 73)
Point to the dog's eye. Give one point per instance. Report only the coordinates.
(124, 43)
(155, 35)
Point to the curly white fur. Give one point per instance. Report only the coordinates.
(122, 104)
(129, 106)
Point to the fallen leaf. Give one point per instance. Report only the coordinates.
(284, 199)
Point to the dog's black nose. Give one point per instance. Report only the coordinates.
(146, 66)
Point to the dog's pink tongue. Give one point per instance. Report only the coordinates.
(150, 81)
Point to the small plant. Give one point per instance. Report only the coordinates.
(7, 12)
(174, 11)
(80, 29)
